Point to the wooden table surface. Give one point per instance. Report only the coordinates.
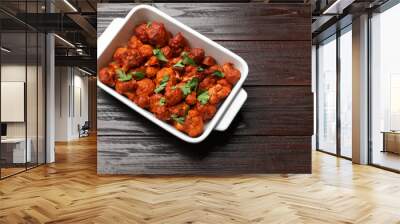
(272, 131)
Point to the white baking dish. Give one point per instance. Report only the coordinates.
(118, 34)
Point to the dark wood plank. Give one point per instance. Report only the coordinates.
(235, 21)
(222, 154)
(274, 62)
(273, 110)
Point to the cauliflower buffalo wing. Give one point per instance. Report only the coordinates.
(163, 74)
(153, 33)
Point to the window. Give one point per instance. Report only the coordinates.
(326, 91)
(22, 76)
(346, 92)
(333, 137)
(385, 89)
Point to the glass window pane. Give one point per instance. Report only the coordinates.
(346, 94)
(327, 96)
(385, 88)
(41, 98)
(31, 97)
(14, 153)
(32, 86)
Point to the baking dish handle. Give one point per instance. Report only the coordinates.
(231, 111)
(103, 40)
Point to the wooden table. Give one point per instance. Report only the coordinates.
(391, 141)
(271, 133)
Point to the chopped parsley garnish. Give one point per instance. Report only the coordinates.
(200, 69)
(190, 86)
(162, 101)
(218, 74)
(186, 60)
(180, 120)
(137, 75)
(122, 76)
(148, 24)
(163, 84)
(159, 54)
(179, 64)
(203, 97)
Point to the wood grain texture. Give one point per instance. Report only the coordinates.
(220, 154)
(70, 191)
(265, 60)
(235, 21)
(272, 131)
(272, 110)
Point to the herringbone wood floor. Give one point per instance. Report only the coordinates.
(69, 191)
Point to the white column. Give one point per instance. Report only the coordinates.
(360, 90)
(50, 98)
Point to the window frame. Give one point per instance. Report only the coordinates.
(336, 35)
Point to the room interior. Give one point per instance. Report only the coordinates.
(22, 101)
(335, 80)
(30, 92)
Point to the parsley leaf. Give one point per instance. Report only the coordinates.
(162, 101)
(163, 84)
(190, 86)
(137, 75)
(148, 24)
(203, 97)
(200, 69)
(180, 120)
(165, 78)
(179, 64)
(187, 60)
(159, 54)
(122, 77)
(218, 74)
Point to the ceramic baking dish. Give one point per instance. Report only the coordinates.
(118, 34)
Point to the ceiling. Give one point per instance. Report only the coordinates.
(73, 20)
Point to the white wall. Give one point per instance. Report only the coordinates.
(71, 93)
(12, 73)
(61, 103)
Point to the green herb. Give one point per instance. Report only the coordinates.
(162, 101)
(187, 60)
(179, 64)
(200, 69)
(148, 24)
(137, 75)
(165, 78)
(122, 76)
(180, 120)
(203, 97)
(218, 74)
(163, 84)
(190, 86)
(159, 54)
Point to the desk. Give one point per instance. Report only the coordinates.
(391, 141)
(13, 150)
